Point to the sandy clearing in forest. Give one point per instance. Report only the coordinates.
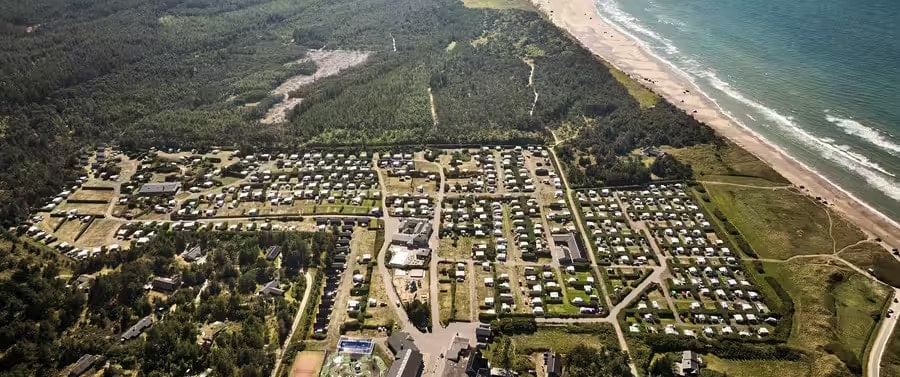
(328, 63)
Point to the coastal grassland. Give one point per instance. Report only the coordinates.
(500, 4)
(756, 368)
(803, 225)
(890, 361)
(644, 96)
(869, 255)
(836, 309)
(726, 162)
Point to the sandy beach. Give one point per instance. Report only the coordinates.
(579, 18)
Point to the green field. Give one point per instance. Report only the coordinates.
(645, 97)
(563, 338)
(868, 255)
(756, 368)
(727, 163)
(834, 306)
(804, 226)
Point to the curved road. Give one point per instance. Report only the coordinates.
(884, 336)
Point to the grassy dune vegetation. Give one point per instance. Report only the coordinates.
(804, 226)
(726, 162)
(836, 310)
(868, 255)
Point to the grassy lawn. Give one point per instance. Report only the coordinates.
(563, 338)
(868, 255)
(84, 208)
(890, 361)
(101, 232)
(460, 248)
(802, 224)
(833, 305)
(756, 368)
(713, 163)
(381, 315)
(105, 195)
(445, 301)
(69, 230)
(463, 301)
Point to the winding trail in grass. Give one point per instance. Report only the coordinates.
(531, 84)
(434, 118)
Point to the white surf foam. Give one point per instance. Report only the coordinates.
(871, 135)
(876, 176)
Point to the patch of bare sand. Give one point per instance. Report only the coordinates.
(328, 63)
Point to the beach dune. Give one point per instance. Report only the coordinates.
(580, 19)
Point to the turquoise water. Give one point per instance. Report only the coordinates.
(820, 79)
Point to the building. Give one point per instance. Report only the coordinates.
(83, 365)
(400, 341)
(413, 233)
(572, 252)
(458, 348)
(407, 363)
(272, 288)
(160, 189)
(192, 254)
(483, 333)
(138, 328)
(478, 366)
(165, 285)
(554, 362)
(690, 364)
(272, 252)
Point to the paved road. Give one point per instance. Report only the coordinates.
(885, 332)
(279, 352)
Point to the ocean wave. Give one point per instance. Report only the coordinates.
(873, 136)
(628, 21)
(841, 155)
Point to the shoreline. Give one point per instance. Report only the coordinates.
(582, 21)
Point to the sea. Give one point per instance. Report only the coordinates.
(818, 78)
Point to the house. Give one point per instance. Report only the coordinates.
(554, 362)
(83, 364)
(160, 189)
(478, 366)
(690, 364)
(272, 288)
(483, 333)
(407, 363)
(413, 233)
(400, 341)
(84, 282)
(165, 285)
(192, 254)
(569, 245)
(138, 328)
(457, 348)
(272, 252)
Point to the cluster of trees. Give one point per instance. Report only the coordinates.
(587, 361)
(47, 325)
(35, 309)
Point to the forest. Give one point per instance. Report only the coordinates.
(48, 323)
(195, 73)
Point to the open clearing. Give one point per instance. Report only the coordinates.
(645, 97)
(308, 364)
(499, 4)
(101, 232)
(834, 305)
(722, 163)
(869, 255)
(756, 368)
(102, 195)
(804, 225)
(329, 63)
(564, 338)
